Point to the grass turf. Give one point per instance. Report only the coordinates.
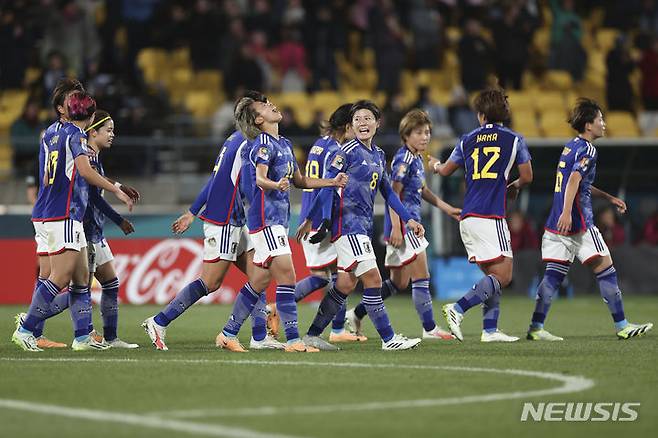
(271, 392)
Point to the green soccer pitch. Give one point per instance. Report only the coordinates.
(441, 388)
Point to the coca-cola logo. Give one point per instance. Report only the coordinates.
(157, 274)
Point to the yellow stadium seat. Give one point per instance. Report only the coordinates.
(521, 101)
(558, 80)
(621, 124)
(551, 101)
(525, 123)
(179, 58)
(201, 104)
(208, 79)
(151, 57)
(326, 101)
(542, 40)
(554, 124)
(605, 39)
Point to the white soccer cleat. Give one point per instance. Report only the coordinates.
(319, 343)
(118, 343)
(400, 342)
(268, 343)
(26, 341)
(454, 319)
(89, 344)
(353, 323)
(497, 336)
(156, 332)
(438, 333)
(542, 335)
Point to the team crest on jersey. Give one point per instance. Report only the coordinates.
(566, 151)
(263, 153)
(234, 247)
(583, 163)
(54, 140)
(402, 170)
(338, 162)
(316, 150)
(212, 241)
(83, 143)
(366, 247)
(282, 241)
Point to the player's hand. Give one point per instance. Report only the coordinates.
(181, 224)
(127, 227)
(455, 213)
(564, 223)
(417, 228)
(396, 239)
(303, 230)
(433, 163)
(621, 205)
(321, 233)
(512, 192)
(341, 180)
(283, 185)
(130, 191)
(125, 199)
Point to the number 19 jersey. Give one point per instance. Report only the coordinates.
(487, 155)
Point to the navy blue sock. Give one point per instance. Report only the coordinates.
(259, 318)
(287, 308)
(332, 302)
(80, 308)
(39, 309)
(491, 311)
(59, 304)
(388, 290)
(548, 288)
(611, 295)
(338, 323)
(481, 291)
(374, 304)
(308, 285)
(110, 308)
(422, 298)
(189, 295)
(242, 308)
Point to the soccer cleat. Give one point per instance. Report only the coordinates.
(539, 334)
(273, 321)
(497, 336)
(26, 341)
(632, 330)
(42, 341)
(438, 333)
(299, 347)
(454, 319)
(156, 332)
(319, 343)
(88, 344)
(346, 336)
(353, 322)
(230, 344)
(268, 343)
(118, 343)
(97, 337)
(400, 342)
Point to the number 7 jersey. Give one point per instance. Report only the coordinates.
(487, 155)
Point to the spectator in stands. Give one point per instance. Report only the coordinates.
(512, 35)
(649, 88)
(289, 124)
(613, 232)
(245, 72)
(294, 14)
(258, 45)
(437, 112)
(261, 17)
(522, 233)
(204, 38)
(56, 68)
(620, 65)
(475, 57)
(230, 45)
(136, 20)
(650, 230)
(171, 26)
(392, 112)
(15, 43)
(648, 17)
(291, 61)
(389, 45)
(426, 28)
(25, 132)
(567, 52)
(323, 37)
(462, 118)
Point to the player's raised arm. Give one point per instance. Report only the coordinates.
(453, 163)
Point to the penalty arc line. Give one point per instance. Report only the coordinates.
(569, 384)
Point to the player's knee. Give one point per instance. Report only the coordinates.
(345, 284)
(504, 278)
(371, 279)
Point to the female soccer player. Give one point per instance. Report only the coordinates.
(65, 197)
(487, 155)
(272, 166)
(365, 164)
(100, 136)
(405, 253)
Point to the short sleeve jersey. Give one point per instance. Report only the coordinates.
(578, 155)
(407, 169)
(48, 134)
(316, 163)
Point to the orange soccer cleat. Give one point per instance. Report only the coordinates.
(300, 347)
(346, 336)
(273, 321)
(43, 342)
(230, 344)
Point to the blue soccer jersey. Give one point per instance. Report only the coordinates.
(320, 153)
(487, 155)
(221, 194)
(270, 207)
(47, 136)
(407, 169)
(98, 208)
(578, 155)
(65, 193)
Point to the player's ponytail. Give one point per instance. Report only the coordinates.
(81, 106)
(337, 123)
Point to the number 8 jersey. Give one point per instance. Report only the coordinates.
(64, 194)
(487, 155)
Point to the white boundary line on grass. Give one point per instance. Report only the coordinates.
(569, 384)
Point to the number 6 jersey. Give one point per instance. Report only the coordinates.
(487, 155)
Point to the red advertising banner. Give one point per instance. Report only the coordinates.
(150, 271)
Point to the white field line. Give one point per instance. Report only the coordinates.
(131, 419)
(569, 384)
